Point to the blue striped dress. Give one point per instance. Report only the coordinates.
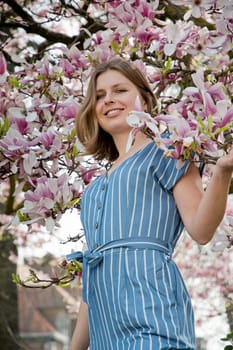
(136, 296)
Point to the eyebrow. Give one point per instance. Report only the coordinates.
(113, 86)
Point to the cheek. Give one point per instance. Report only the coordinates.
(98, 115)
(97, 109)
(135, 101)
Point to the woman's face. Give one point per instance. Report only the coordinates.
(115, 98)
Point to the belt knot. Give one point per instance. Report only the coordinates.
(92, 258)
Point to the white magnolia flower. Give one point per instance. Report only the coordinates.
(29, 161)
(139, 120)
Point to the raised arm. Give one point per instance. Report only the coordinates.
(202, 211)
(80, 338)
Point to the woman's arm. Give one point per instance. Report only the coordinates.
(202, 211)
(80, 338)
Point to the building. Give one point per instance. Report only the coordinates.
(44, 320)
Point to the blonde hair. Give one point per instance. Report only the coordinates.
(96, 141)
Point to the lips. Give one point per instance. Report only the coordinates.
(113, 112)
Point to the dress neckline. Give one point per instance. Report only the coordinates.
(109, 172)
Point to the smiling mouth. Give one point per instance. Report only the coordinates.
(113, 112)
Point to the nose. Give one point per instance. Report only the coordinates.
(108, 98)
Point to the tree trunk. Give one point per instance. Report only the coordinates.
(229, 311)
(8, 295)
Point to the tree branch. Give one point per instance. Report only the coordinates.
(176, 13)
(31, 26)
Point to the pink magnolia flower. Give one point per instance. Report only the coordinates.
(224, 114)
(176, 34)
(29, 161)
(72, 61)
(147, 10)
(20, 117)
(146, 33)
(41, 204)
(51, 139)
(67, 109)
(14, 144)
(3, 70)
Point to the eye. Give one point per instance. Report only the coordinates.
(121, 90)
(98, 97)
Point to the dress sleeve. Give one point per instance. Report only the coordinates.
(167, 170)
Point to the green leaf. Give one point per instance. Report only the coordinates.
(16, 278)
(228, 347)
(74, 266)
(21, 216)
(134, 49)
(210, 122)
(228, 305)
(64, 284)
(193, 146)
(90, 59)
(71, 203)
(201, 123)
(74, 151)
(124, 42)
(4, 127)
(167, 66)
(41, 76)
(115, 46)
(228, 337)
(13, 81)
(73, 133)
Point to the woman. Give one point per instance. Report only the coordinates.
(133, 294)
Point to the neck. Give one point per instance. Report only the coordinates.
(121, 142)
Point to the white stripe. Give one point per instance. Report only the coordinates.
(109, 311)
(135, 199)
(140, 286)
(151, 294)
(119, 287)
(159, 298)
(152, 209)
(159, 224)
(171, 313)
(120, 206)
(133, 292)
(102, 315)
(144, 194)
(166, 209)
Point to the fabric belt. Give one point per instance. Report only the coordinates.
(92, 258)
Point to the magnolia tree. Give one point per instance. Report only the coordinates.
(48, 51)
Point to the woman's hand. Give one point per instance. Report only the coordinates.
(225, 163)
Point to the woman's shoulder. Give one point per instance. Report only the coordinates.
(151, 150)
